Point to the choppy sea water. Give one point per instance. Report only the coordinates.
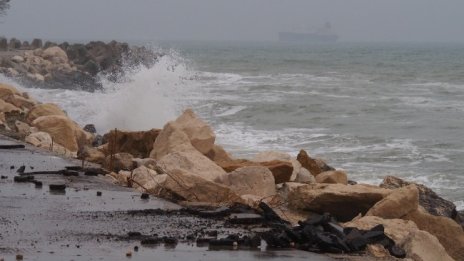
(371, 109)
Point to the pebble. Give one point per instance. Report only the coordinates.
(19, 257)
(99, 193)
(136, 249)
(129, 253)
(144, 196)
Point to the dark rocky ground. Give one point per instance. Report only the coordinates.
(79, 225)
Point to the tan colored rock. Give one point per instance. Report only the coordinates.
(20, 102)
(55, 54)
(147, 180)
(399, 203)
(7, 90)
(304, 176)
(332, 177)
(170, 139)
(185, 186)
(119, 161)
(281, 170)
(254, 180)
(137, 143)
(218, 154)
(147, 162)
(7, 107)
(433, 203)
(17, 59)
(44, 140)
(46, 109)
(449, 233)
(199, 132)
(63, 131)
(309, 163)
(342, 201)
(422, 246)
(193, 162)
(232, 165)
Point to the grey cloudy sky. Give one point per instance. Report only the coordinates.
(242, 20)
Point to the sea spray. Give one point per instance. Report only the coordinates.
(146, 98)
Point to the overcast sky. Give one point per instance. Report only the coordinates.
(241, 20)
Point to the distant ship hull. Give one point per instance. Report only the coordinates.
(307, 37)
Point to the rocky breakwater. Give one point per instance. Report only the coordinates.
(308, 204)
(70, 66)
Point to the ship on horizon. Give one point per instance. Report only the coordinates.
(322, 35)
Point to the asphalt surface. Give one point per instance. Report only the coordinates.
(77, 224)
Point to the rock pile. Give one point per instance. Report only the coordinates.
(70, 65)
(182, 163)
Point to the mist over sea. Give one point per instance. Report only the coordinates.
(371, 109)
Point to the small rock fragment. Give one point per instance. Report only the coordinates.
(99, 193)
(145, 196)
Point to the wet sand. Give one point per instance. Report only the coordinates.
(79, 225)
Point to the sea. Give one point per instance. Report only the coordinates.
(371, 109)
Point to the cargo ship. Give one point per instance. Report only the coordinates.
(322, 35)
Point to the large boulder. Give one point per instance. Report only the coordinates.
(170, 139)
(428, 199)
(119, 161)
(192, 162)
(343, 201)
(182, 185)
(92, 154)
(45, 109)
(200, 133)
(449, 233)
(63, 131)
(399, 203)
(422, 246)
(333, 177)
(137, 143)
(44, 140)
(253, 180)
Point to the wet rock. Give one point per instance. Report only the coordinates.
(253, 180)
(150, 241)
(136, 248)
(137, 143)
(99, 193)
(145, 196)
(38, 184)
(147, 180)
(399, 203)
(19, 257)
(3, 177)
(309, 163)
(7, 107)
(332, 177)
(91, 154)
(342, 201)
(119, 161)
(44, 140)
(449, 233)
(170, 241)
(129, 253)
(428, 199)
